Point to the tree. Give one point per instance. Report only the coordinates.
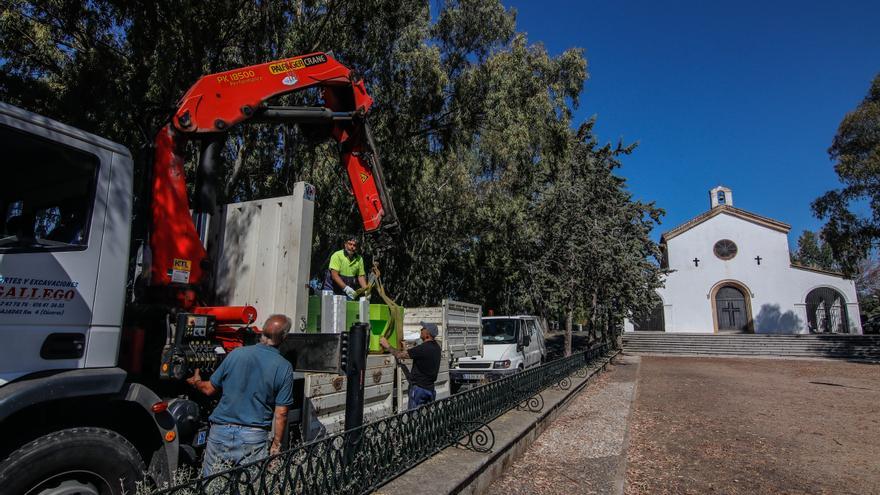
(856, 149)
(473, 124)
(868, 288)
(593, 251)
(815, 253)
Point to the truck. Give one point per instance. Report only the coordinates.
(386, 387)
(460, 336)
(93, 396)
(510, 344)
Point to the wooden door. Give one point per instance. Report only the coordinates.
(730, 303)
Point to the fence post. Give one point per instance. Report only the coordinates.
(354, 388)
(354, 375)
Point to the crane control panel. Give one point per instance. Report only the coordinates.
(192, 345)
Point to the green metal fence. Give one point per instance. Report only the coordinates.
(360, 460)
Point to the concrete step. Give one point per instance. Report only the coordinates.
(865, 347)
(756, 343)
(755, 351)
(692, 336)
(792, 348)
(748, 352)
(752, 350)
(734, 346)
(762, 341)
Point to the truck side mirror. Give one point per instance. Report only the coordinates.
(526, 340)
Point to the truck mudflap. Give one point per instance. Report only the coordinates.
(162, 466)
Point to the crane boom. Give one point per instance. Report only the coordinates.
(216, 103)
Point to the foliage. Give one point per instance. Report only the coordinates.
(591, 239)
(814, 252)
(868, 287)
(501, 202)
(856, 148)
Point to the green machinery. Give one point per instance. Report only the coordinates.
(382, 321)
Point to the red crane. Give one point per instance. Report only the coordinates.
(216, 103)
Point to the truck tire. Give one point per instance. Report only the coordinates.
(88, 461)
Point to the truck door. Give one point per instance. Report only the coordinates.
(55, 206)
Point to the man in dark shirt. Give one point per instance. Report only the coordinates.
(426, 365)
(256, 383)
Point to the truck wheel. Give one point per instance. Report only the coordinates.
(87, 461)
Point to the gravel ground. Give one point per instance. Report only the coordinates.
(583, 448)
(745, 426)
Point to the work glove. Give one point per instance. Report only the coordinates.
(350, 293)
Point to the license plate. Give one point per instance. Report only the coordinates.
(472, 376)
(201, 437)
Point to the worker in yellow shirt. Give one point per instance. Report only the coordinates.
(346, 270)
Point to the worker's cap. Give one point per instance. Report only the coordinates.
(430, 327)
(352, 237)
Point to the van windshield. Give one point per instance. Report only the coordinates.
(500, 331)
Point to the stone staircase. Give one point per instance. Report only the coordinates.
(853, 347)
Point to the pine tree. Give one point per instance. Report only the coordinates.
(856, 150)
(474, 126)
(815, 253)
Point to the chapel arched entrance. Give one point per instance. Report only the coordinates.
(826, 311)
(732, 308)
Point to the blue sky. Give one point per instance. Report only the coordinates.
(745, 94)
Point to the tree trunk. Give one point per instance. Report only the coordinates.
(236, 168)
(594, 332)
(568, 318)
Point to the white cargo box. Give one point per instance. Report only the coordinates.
(460, 323)
(262, 253)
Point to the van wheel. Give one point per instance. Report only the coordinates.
(87, 461)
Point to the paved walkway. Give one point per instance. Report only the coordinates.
(749, 426)
(583, 451)
(456, 470)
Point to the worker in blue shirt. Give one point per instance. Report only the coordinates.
(256, 387)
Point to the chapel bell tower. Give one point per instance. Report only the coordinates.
(720, 196)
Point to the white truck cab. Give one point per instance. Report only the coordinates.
(510, 344)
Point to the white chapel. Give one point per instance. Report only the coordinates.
(731, 271)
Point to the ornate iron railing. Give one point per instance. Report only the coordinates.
(360, 460)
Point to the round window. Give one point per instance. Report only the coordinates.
(725, 249)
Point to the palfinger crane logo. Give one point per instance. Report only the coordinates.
(286, 66)
(292, 64)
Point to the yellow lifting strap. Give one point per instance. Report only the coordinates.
(395, 311)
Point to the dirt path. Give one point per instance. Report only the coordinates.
(583, 451)
(748, 426)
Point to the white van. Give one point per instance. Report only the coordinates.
(510, 344)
